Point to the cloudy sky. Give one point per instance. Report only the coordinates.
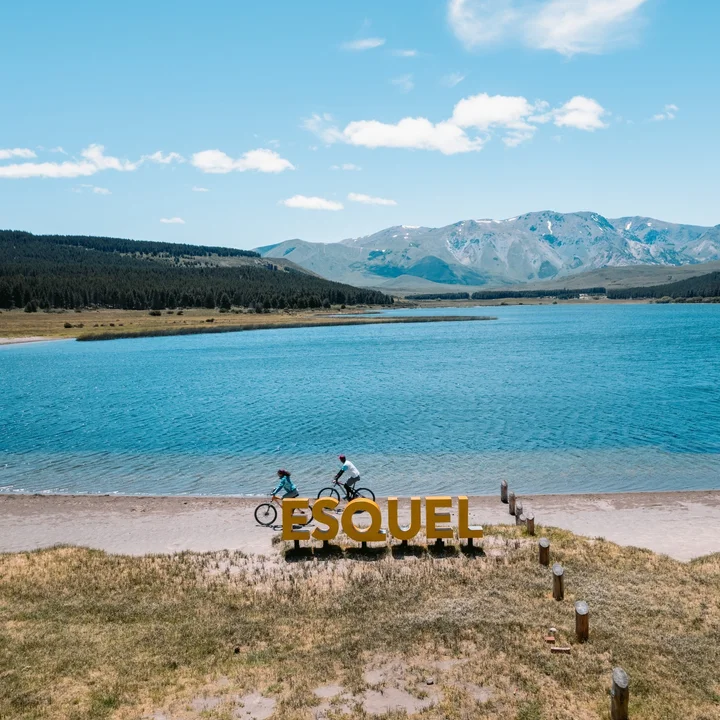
(247, 123)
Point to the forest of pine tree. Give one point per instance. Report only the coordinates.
(703, 286)
(52, 271)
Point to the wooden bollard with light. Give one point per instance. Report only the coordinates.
(530, 523)
(619, 695)
(503, 491)
(558, 581)
(544, 551)
(582, 621)
(511, 503)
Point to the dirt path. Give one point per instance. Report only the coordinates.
(682, 525)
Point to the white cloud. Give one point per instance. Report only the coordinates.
(452, 79)
(199, 189)
(93, 160)
(404, 83)
(369, 200)
(261, 160)
(172, 221)
(405, 53)
(565, 26)
(158, 157)
(90, 188)
(482, 22)
(346, 166)
(311, 203)
(96, 155)
(577, 26)
(363, 44)
(411, 133)
(474, 121)
(321, 125)
(668, 113)
(511, 114)
(58, 149)
(8, 153)
(581, 113)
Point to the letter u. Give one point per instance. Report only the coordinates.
(404, 532)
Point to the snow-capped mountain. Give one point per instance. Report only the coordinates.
(531, 247)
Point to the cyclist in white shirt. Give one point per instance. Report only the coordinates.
(352, 471)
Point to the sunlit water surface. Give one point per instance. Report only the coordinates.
(552, 398)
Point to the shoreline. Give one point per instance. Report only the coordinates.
(19, 329)
(249, 327)
(681, 524)
(28, 340)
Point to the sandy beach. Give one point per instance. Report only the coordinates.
(683, 525)
(25, 340)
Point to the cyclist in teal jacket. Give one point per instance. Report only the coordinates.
(286, 485)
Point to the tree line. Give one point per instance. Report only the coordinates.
(45, 272)
(439, 296)
(705, 286)
(562, 294)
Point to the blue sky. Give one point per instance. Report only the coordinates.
(247, 123)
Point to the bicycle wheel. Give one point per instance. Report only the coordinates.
(366, 493)
(266, 514)
(329, 492)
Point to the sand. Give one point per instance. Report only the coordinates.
(683, 525)
(25, 340)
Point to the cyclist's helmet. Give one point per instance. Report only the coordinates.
(341, 458)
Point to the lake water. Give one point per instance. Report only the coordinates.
(564, 399)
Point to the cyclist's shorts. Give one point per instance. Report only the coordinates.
(291, 494)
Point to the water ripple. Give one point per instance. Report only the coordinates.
(554, 399)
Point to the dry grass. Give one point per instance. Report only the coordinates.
(87, 635)
(109, 324)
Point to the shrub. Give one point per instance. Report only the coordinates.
(155, 313)
(67, 325)
(32, 306)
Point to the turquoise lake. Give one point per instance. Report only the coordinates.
(555, 399)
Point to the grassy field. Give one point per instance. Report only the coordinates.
(17, 323)
(87, 635)
(109, 324)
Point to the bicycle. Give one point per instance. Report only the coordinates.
(266, 513)
(351, 492)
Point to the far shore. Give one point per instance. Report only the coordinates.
(682, 525)
(19, 327)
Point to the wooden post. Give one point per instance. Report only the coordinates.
(544, 546)
(518, 511)
(503, 491)
(582, 621)
(511, 503)
(530, 523)
(520, 519)
(558, 581)
(619, 695)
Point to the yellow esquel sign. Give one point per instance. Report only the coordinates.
(437, 519)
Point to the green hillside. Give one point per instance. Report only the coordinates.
(52, 271)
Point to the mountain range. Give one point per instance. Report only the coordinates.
(537, 246)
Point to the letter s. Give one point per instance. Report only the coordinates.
(321, 513)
